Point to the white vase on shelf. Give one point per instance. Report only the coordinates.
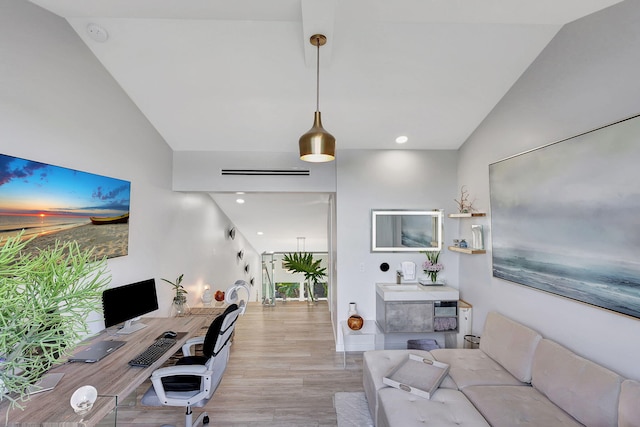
(352, 309)
(477, 241)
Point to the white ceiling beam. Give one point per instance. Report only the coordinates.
(318, 17)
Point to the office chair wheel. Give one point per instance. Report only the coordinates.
(205, 420)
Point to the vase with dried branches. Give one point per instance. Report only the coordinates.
(464, 204)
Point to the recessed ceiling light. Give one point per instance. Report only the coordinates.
(260, 233)
(401, 139)
(240, 201)
(239, 192)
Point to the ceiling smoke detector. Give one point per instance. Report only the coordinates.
(97, 33)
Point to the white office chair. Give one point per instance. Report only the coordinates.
(231, 295)
(194, 379)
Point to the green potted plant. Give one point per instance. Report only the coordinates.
(303, 262)
(45, 300)
(180, 299)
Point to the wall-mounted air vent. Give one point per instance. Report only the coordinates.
(267, 172)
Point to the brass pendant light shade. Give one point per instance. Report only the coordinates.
(317, 145)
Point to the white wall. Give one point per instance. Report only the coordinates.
(386, 179)
(58, 105)
(587, 77)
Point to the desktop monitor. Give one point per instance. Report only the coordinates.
(128, 302)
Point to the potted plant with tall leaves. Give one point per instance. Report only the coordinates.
(303, 262)
(180, 306)
(46, 298)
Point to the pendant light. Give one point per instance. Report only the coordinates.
(317, 145)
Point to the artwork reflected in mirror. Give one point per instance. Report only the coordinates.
(406, 230)
(54, 203)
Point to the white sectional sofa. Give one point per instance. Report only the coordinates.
(515, 378)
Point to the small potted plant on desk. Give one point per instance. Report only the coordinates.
(179, 306)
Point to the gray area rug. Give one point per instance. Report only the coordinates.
(352, 410)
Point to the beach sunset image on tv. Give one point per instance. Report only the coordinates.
(55, 203)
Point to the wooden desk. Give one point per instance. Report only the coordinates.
(112, 376)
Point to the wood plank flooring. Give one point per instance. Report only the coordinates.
(283, 371)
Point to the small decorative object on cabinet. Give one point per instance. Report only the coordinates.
(207, 295)
(355, 321)
(431, 266)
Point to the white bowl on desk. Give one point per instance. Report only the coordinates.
(82, 399)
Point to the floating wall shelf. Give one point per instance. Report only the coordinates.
(467, 250)
(467, 215)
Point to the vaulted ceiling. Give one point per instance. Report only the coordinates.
(240, 75)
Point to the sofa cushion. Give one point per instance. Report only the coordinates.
(473, 367)
(508, 406)
(584, 389)
(377, 363)
(629, 404)
(510, 344)
(446, 407)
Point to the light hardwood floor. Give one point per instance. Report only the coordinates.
(283, 371)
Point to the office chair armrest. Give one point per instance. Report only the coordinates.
(197, 370)
(186, 347)
(170, 371)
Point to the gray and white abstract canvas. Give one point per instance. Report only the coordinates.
(566, 218)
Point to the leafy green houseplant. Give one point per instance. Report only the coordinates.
(46, 298)
(303, 262)
(180, 299)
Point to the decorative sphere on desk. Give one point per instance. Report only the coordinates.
(355, 322)
(219, 296)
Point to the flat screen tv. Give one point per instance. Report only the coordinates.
(127, 303)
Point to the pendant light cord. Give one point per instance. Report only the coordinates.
(318, 74)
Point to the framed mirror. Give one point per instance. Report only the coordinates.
(406, 230)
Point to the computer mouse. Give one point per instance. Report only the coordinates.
(169, 334)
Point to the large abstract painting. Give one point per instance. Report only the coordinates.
(55, 203)
(566, 218)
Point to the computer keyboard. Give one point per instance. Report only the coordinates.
(153, 353)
